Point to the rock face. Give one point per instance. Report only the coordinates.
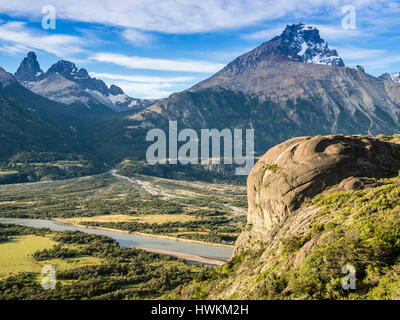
(29, 69)
(115, 90)
(293, 248)
(6, 78)
(303, 167)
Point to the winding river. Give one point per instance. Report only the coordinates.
(191, 251)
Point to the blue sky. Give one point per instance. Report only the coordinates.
(154, 48)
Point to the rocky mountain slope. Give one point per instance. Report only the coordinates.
(292, 85)
(64, 82)
(41, 139)
(31, 122)
(317, 204)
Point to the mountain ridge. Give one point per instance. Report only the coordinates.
(281, 97)
(76, 84)
(30, 121)
(394, 77)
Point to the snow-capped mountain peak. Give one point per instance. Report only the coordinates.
(64, 68)
(297, 42)
(64, 82)
(303, 42)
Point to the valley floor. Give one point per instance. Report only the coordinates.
(198, 211)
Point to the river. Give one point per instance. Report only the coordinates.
(188, 250)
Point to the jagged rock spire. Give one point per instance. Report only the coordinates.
(29, 69)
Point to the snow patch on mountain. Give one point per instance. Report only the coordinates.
(119, 98)
(395, 77)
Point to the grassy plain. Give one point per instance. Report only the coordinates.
(16, 256)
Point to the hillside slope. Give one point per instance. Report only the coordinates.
(32, 123)
(40, 138)
(316, 204)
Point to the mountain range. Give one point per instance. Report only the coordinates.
(65, 83)
(291, 85)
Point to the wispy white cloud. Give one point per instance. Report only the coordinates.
(327, 32)
(336, 32)
(359, 54)
(138, 38)
(146, 86)
(18, 36)
(179, 16)
(264, 35)
(381, 64)
(11, 49)
(133, 62)
(143, 79)
(149, 90)
(375, 61)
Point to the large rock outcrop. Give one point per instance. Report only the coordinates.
(293, 248)
(303, 167)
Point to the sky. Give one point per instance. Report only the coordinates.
(153, 48)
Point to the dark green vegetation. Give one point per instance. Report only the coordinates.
(9, 231)
(29, 122)
(211, 209)
(188, 172)
(45, 166)
(221, 108)
(359, 228)
(124, 274)
(224, 108)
